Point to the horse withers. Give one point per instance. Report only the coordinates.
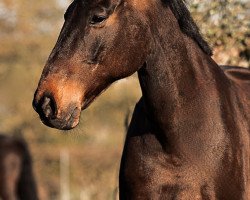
(189, 135)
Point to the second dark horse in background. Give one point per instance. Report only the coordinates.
(16, 175)
(189, 135)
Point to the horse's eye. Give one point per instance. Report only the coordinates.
(96, 19)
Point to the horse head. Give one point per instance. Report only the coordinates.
(101, 41)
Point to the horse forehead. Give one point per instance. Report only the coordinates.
(142, 5)
(98, 2)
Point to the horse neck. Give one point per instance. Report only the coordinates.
(179, 82)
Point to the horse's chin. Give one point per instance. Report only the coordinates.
(89, 101)
(91, 97)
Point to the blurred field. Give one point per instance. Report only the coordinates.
(28, 31)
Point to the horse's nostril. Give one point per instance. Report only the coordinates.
(48, 107)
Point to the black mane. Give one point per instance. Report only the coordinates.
(187, 24)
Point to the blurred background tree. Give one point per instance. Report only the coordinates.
(28, 32)
(226, 25)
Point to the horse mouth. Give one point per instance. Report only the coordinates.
(69, 121)
(61, 113)
(66, 122)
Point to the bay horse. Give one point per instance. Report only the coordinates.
(189, 134)
(16, 176)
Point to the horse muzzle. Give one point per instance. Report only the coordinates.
(55, 117)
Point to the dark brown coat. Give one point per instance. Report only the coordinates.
(189, 135)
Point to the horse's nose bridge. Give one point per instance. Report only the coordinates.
(63, 90)
(67, 44)
(47, 87)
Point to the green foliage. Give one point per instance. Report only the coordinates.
(226, 25)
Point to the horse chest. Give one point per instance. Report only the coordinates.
(148, 173)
